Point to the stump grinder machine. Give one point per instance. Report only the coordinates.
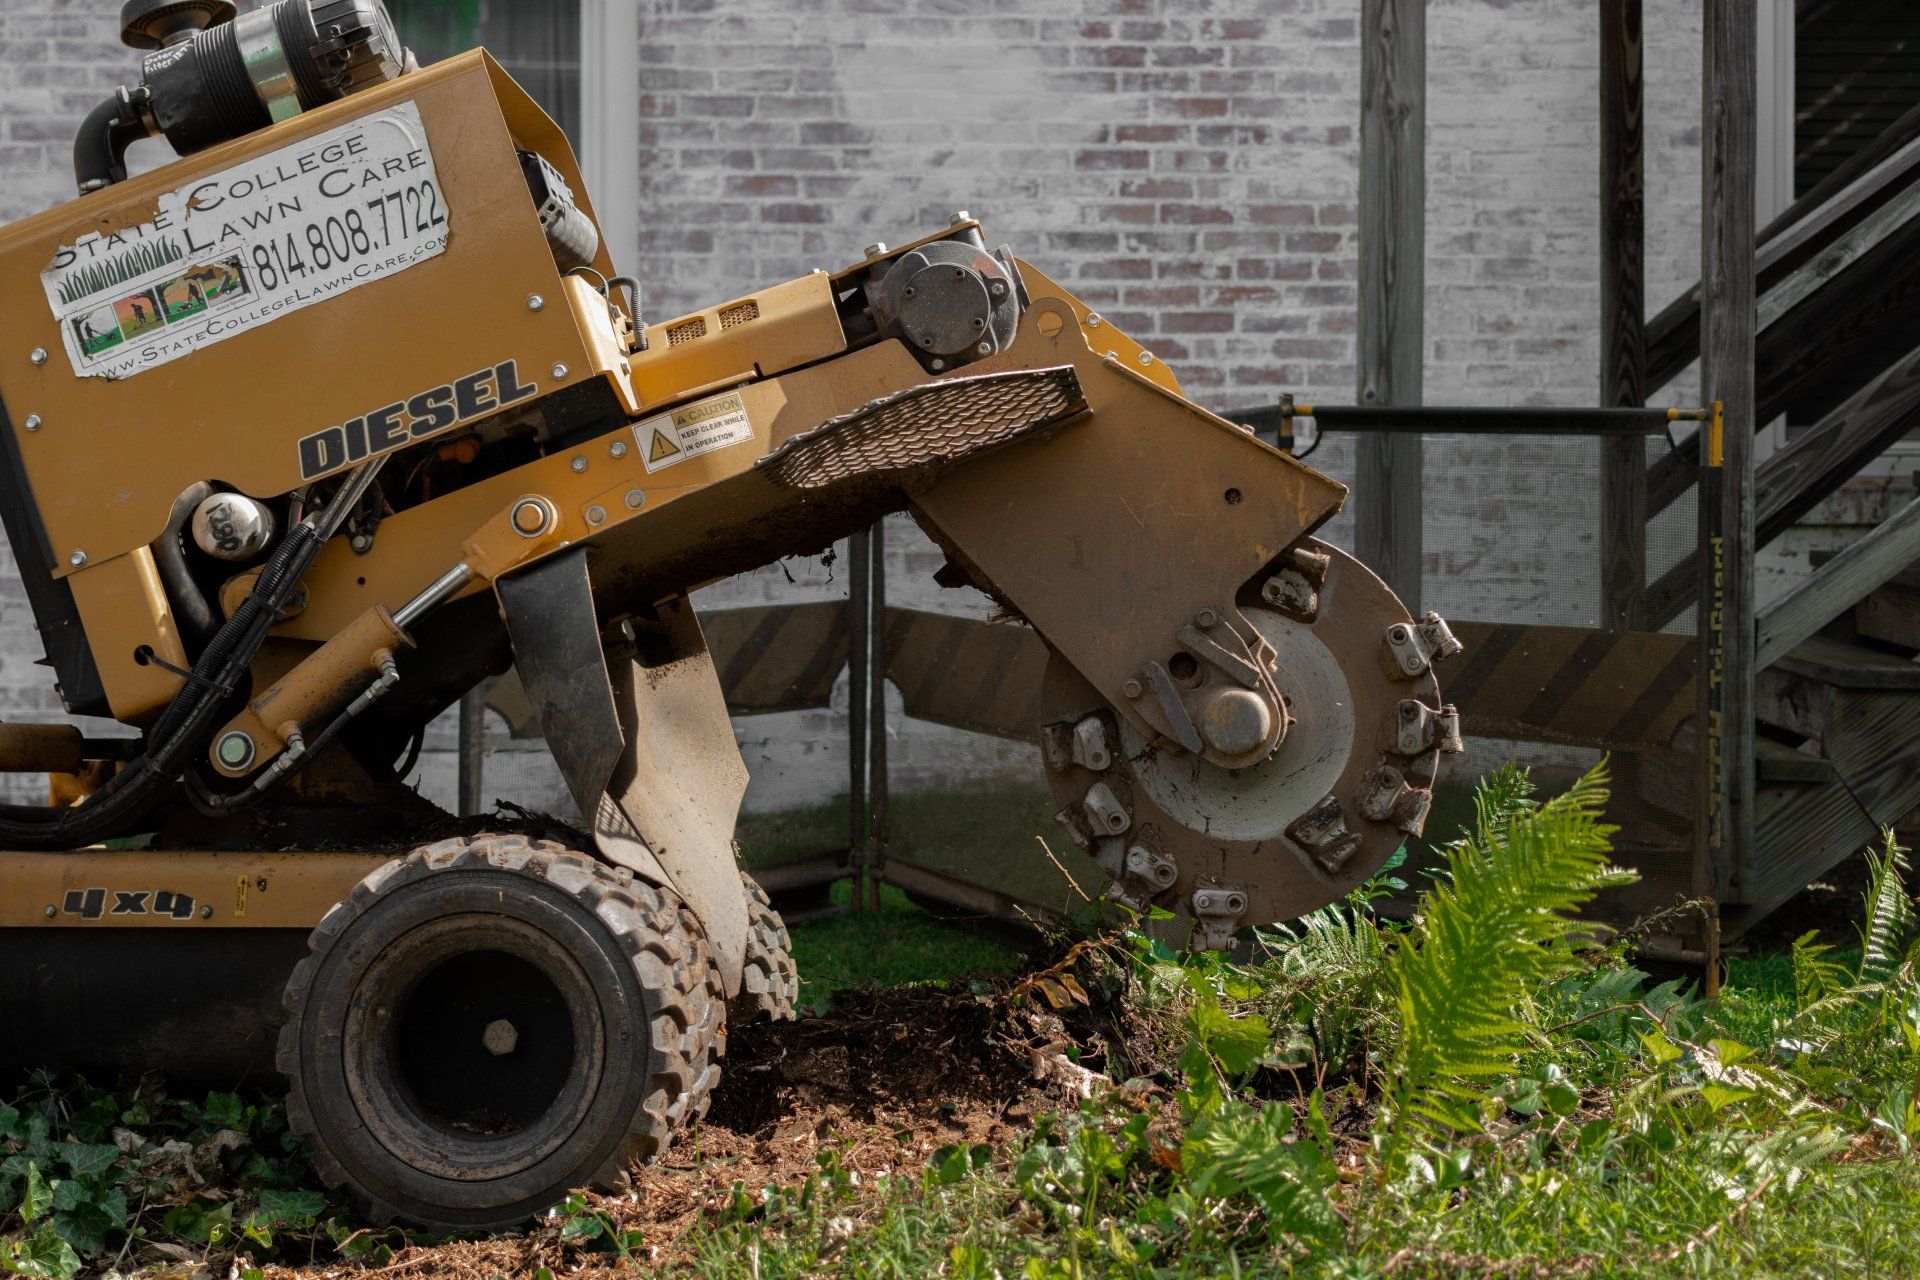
(307, 432)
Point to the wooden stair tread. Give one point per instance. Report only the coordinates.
(1778, 762)
(1847, 666)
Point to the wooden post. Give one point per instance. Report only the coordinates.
(1727, 169)
(878, 818)
(1392, 334)
(859, 662)
(471, 752)
(1623, 338)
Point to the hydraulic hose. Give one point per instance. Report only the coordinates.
(100, 148)
(191, 608)
(189, 720)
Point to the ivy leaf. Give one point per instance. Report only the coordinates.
(297, 1209)
(84, 1159)
(36, 1198)
(42, 1255)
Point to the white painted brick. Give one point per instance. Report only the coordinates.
(1189, 164)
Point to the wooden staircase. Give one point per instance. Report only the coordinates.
(1837, 690)
(1840, 760)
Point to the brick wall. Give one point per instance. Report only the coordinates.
(1187, 167)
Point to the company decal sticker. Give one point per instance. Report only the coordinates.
(240, 248)
(98, 904)
(423, 413)
(691, 430)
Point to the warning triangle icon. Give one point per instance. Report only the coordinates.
(661, 448)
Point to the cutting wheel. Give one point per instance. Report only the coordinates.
(1350, 778)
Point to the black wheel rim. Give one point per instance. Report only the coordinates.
(474, 1047)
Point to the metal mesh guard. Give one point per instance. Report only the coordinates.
(926, 425)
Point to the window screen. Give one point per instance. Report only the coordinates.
(538, 41)
(1856, 70)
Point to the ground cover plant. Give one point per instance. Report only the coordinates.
(1484, 1090)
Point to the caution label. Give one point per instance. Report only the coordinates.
(691, 430)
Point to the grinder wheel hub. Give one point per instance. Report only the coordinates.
(1291, 831)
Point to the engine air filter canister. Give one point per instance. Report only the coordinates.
(211, 77)
(268, 65)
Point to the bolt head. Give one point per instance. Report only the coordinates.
(535, 302)
(235, 750)
(1236, 721)
(578, 464)
(998, 289)
(877, 248)
(1093, 320)
(618, 448)
(77, 559)
(1146, 357)
(48, 913)
(501, 1037)
(1206, 619)
(529, 518)
(38, 355)
(32, 422)
(596, 515)
(360, 542)
(985, 349)
(958, 216)
(936, 365)
(559, 370)
(206, 913)
(636, 499)
(1131, 688)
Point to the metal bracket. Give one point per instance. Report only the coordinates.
(1083, 743)
(1073, 821)
(1242, 668)
(1217, 912)
(1322, 832)
(1089, 749)
(1172, 709)
(1390, 798)
(1108, 815)
(1291, 593)
(1139, 874)
(1418, 728)
(1294, 588)
(1156, 869)
(1416, 646)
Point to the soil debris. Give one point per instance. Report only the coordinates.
(885, 1079)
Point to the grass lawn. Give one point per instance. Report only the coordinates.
(1481, 1094)
(964, 833)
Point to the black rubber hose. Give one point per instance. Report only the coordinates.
(182, 728)
(191, 609)
(100, 148)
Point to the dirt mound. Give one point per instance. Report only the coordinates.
(884, 1080)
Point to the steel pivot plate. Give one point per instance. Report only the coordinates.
(1299, 828)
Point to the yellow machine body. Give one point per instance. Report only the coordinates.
(1239, 722)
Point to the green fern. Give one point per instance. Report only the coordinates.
(1858, 1015)
(1816, 978)
(1888, 930)
(1240, 1151)
(1495, 928)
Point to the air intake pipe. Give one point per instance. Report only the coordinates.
(210, 77)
